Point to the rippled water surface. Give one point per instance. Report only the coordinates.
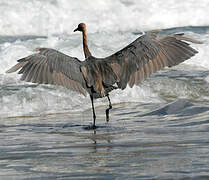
(158, 130)
(139, 142)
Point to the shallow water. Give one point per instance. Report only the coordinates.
(158, 130)
(139, 142)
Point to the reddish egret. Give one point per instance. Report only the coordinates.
(148, 54)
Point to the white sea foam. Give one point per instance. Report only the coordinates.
(47, 17)
(21, 17)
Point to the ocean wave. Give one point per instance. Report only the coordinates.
(36, 17)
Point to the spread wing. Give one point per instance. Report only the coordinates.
(148, 54)
(51, 67)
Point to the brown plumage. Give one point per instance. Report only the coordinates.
(98, 76)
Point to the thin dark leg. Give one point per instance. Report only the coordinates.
(94, 115)
(108, 109)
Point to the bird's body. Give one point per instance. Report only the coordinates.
(99, 76)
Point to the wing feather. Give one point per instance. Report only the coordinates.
(51, 67)
(149, 54)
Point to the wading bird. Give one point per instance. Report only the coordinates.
(148, 54)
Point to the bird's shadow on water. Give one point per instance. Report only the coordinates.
(87, 127)
(103, 134)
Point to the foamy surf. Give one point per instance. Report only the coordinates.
(23, 26)
(61, 17)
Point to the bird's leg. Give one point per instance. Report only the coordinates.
(94, 115)
(108, 109)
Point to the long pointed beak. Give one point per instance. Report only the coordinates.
(75, 30)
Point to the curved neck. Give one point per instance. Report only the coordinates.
(87, 53)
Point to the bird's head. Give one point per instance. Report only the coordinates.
(80, 27)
